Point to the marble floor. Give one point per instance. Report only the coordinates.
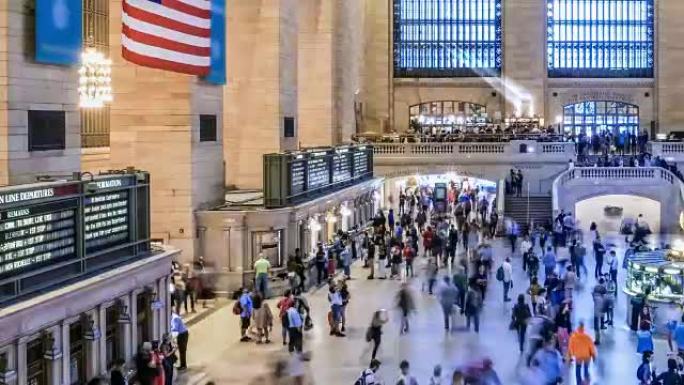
(215, 352)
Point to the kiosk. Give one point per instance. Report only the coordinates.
(658, 277)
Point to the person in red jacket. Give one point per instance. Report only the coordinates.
(427, 240)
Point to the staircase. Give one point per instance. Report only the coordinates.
(541, 210)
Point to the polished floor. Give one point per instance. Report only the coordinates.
(215, 352)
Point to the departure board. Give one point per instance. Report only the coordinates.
(361, 163)
(293, 177)
(52, 233)
(33, 235)
(319, 172)
(297, 176)
(342, 167)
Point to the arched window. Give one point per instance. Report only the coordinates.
(600, 38)
(445, 116)
(595, 117)
(440, 38)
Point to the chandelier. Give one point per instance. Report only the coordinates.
(95, 81)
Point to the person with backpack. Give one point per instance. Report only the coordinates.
(243, 307)
(504, 274)
(645, 373)
(473, 306)
(520, 316)
(368, 376)
(285, 303)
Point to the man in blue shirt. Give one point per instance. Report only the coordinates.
(245, 314)
(179, 329)
(550, 362)
(549, 261)
(294, 326)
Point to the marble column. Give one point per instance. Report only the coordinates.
(66, 352)
(93, 335)
(101, 313)
(53, 356)
(126, 330)
(8, 366)
(22, 370)
(133, 306)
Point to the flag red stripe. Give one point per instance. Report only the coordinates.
(161, 21)
(157, 41)
(186, 8)
(163, 64)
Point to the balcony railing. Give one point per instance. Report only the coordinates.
(528, 151)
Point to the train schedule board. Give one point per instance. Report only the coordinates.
(293, 177)
(55, 232)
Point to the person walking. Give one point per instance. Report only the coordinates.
(335, 300)
(320, 261)
(473, 306)
(598, 296)
(371, 257)
(285, 303)
(431, 274)
(261, 270)
(406, 378)
(569, 282)
(180, 331)
(645, 371)
(563, 325)
(505, 271)
(374, 331)
(613, 266)
(346, 256)
(550, 363)
(263, 319)
(246, 310)
(549, 261)
(520, 316)
(409, 254)
(582, 349)
(599, 251)
(368, 377)
(406, 305)
(294, 329)
(671, 376)
(448, 296)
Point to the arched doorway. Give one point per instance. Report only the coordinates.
(608, 212)
(596, 117)
(445, 117)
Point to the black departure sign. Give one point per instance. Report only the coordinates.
(37, 234)
(361, 163)
(297, 175)
(294, 177)
(54, 232)
(342, 167)
(319, 171)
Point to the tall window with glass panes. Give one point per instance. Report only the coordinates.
(95, 122)
(447, 38)
(600, 38)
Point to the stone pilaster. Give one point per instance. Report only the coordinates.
(22, 370)
(262, 85)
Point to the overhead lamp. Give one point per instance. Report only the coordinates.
(95, 81)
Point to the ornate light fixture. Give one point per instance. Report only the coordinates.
(95, 81)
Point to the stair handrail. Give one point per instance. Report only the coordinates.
(612, 173)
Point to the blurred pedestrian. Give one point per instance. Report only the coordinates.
(582, 349)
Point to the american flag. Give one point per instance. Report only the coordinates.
(172, 35)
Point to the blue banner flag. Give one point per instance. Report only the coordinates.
(217, 73)
(58, 31)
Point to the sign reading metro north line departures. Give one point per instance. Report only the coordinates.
(51, 233)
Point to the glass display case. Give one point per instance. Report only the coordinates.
(657, 274)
